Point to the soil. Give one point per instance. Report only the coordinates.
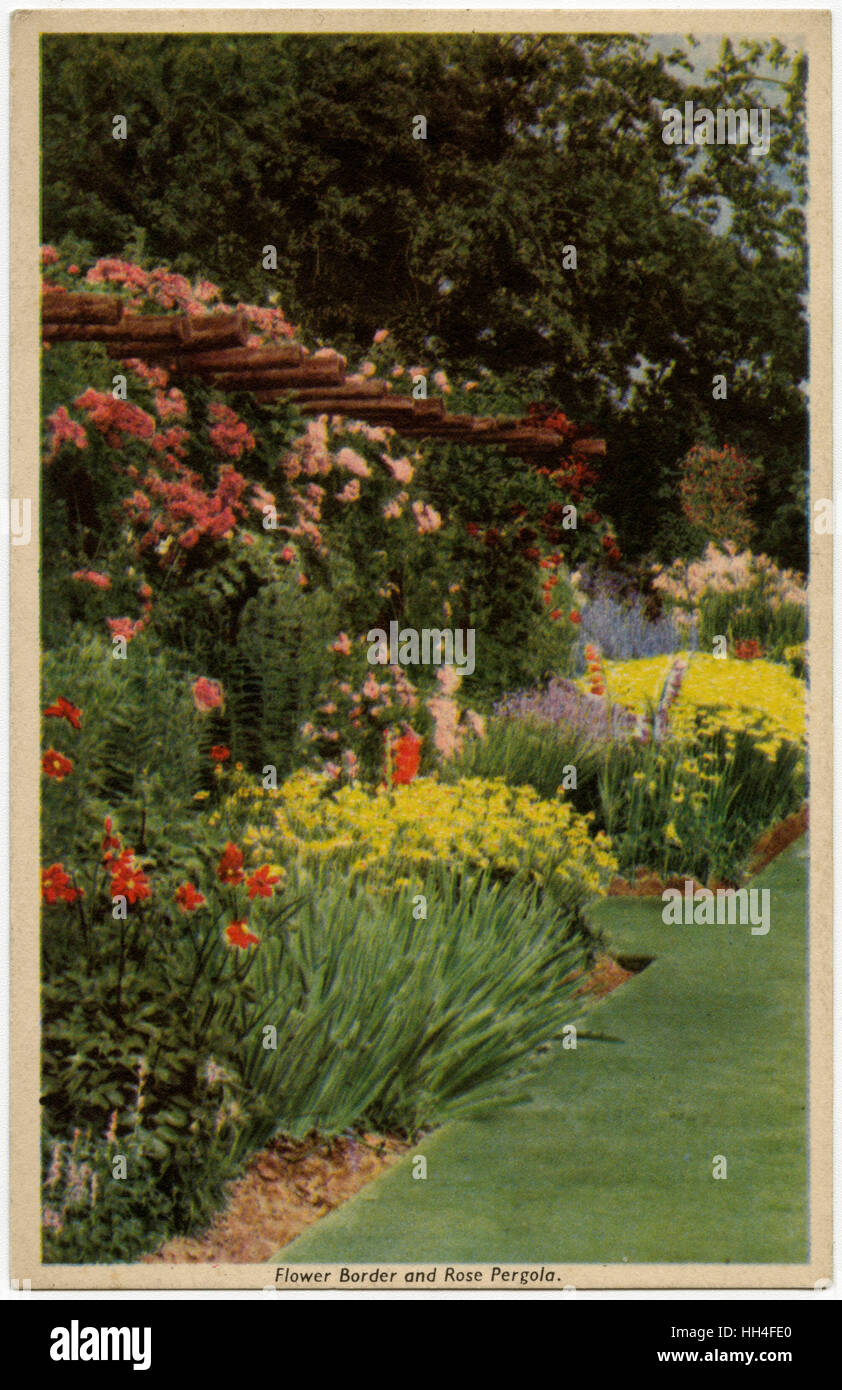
(286, 1187)
(289, 1185)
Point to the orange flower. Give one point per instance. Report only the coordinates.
(56, 765)
(230, 866)
(406, 756)
(238, 935)
(62, 709)
(188, 898)
(575, 616)
(128, 880)
(260, 882)
(56, 885)
(220, 753)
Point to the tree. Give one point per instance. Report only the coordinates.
(689, 262)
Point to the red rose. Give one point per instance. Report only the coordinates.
(207, 695)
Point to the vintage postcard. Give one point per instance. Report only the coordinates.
(421, 529)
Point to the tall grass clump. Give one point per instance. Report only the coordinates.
(383, 1018)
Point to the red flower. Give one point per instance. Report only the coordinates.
(128, 880)
(406, 756)
(62, 709)
(109, 842)
(230, 866)
(238, 935)
(188, 898)
(556, 613)
(207, 695)
(56, 765)
(125, 627)
(260, 882)
(220, 753)
(748, 650)
(57, 885)
(99, 581)
(575, 616)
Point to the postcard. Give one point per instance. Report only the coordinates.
(421, 531)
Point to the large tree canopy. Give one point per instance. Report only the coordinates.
(689, 261)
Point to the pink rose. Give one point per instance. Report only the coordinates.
(207, 695)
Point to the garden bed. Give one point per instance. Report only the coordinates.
(291, 1184)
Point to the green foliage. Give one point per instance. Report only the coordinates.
(395, 1023)
(138, 745)
(748, 615)
(91, 1217)
(695, 806)
(533, 142)
(274, 672)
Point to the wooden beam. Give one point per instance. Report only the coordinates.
(284, 377)
(58, 307)
(237, 359)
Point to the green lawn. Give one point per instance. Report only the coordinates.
(611, 1159)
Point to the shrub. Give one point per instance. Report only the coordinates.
(718, 490)
(622, 631)
(739, 595)
(393, 1023)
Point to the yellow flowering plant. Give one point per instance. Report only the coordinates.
(394, 838)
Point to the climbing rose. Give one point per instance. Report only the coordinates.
(207, 695)
(125, 627)
(99, 581)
